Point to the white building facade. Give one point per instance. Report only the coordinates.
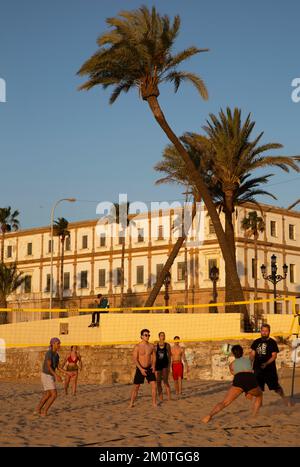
(93, 257)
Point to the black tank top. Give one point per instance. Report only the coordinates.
(162, 359)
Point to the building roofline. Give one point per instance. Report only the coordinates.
(93, 222)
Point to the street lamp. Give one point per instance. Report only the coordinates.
(214, 277)
(71, 200)
(274, 277)
(167, 282)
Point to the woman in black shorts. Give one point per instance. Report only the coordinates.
(244, 381)
(162, 367)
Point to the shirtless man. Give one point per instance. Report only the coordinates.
(144, 358)
(178, 356)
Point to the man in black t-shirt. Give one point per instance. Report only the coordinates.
(264, 353)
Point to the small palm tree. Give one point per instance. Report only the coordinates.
(120, 215)
(60, 229)
(137, 53)
(10, 280)
(8, 222)
(253, 225)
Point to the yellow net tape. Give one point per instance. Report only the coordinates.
(119, 326)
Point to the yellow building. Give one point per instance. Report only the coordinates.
(92, 261)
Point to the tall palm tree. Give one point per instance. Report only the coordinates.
(236, 154)
(10, 280)
(253, 225)
(172, 168)
(137, 52)
(8, 222)
(120, 215)
(60, 229)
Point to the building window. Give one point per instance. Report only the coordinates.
(159, 268)
(9, 251)
(181, 268)
(27, 284)
(140, 235)
(68, 243)
(273, 228)
(29, 249)
(121, 238)
(292, 232)
(211, 264)
(102, 239)
(253, 268)
(140, 274)
(48, 279)
(84, 242)
(83, 279)
(211, 229)
(160, 235)
(102, 274)
(50, 246)
(66, 280)
(119, 276)
(292, 273)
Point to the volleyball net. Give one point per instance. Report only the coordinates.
(33, 327)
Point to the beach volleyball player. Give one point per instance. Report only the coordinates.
(144, 357)
(178, 358)
(244, 381)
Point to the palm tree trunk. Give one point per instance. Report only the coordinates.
(186, 276)
(61, 289)
(122, 272)
(2, 247)
(160, 280)
(255, 280)
(235, 284)
(229, 295)
(229, 232)
(3, 314)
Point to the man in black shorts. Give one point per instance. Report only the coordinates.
(264, 353)
(144, 358)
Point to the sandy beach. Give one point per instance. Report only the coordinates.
(100, 416)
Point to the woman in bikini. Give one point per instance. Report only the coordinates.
(74, 363)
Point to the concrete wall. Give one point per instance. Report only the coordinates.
(113, 364)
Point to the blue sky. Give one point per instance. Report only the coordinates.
(57, 142)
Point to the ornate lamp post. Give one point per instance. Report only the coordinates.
(274, 277)
(167, 283)
(214, 277)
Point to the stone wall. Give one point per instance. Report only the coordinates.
(113, 364)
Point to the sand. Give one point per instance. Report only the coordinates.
(100, 416)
